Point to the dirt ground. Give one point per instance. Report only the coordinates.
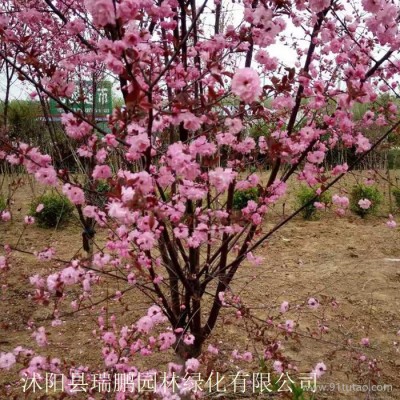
(351, 265)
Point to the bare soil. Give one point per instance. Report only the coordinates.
(351, 265)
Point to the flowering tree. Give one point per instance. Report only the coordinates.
(192, 87)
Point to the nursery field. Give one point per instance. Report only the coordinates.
(351, 265)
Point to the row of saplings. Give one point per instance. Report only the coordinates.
(305, 198)
(53, 209)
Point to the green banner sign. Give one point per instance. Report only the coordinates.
(84, 100)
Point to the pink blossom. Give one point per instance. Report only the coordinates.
(143, 181)
(166, 340)
(75, 129)
(221, 297)
(247, 356)
(246, 84)
(127, 10)
(319, 5)
(283, 102)
(146, 240)
(192, 365)
(114, 64)
(46, 254)
(3, 262)
(109, 338)
(131, 278)
(234, 125)
(202, 147)
(69, 276)
(313, 303)
(227, 139)
(145, 324)
(7, 360)
(101, 172)
(138, 145)
(221, 178)
(174, 368)
(372, 6)
(365, 342)
(145, 351)
(110, 140)
(190, 190)
(213, 350)
(284, 307)
(117, 210)
(6, 216)
(362, 144)
(270, 63)
(276, 191)
(319, 206)
(245, 146)
(391, 223)
(277, 366)
(39, 208)
(102, 11)
(319, 370)
(37, 281)
(369, 181)
(40, 336)
(364, 204)
(190, 121)
(181, 231)
(289, 325)
(94, 212)
(29, 220)
(256, 219)
(76, 26)
(56, 322)
(38, 362)
(316, 157)
(188, 339)
(46, 176)
(101, 156)
(341, 201)
(111, 359)
(74, 193)
(55, 364)
(156, 314)
(262, 143)
(53, 282)
(340, 212)
(254, 260)
(165, 177)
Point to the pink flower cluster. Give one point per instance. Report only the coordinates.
(246, 84)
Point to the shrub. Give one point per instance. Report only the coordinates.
(3, 203)
(396, 195)
(253, 169)
(361, 192)
(304, 195)
(241, 197)
(57, 209)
